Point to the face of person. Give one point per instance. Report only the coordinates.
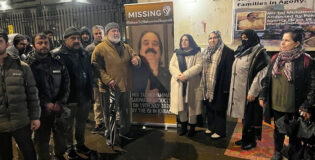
(85, 37)
(213, 39)
(113, 35)
(252, 17)
(73, 42)
(3, 46)
(185, 43)
(42, 45)
(98, 35)
(287, 43)
(50, 35)
(21, 45)
(150, 48)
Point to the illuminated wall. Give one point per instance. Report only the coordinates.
(199, 17)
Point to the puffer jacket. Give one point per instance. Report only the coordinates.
(51, 77)
(19, 101)
(79, 68)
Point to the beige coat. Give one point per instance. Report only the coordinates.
(193, 94)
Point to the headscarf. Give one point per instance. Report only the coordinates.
(252, 41)
(181, 54)
(212, 49)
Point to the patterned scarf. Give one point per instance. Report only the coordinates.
(285, 59)
(209, 72)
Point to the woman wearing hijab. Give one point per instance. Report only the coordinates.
(185, 67)
(288, 88)
(250, 59)
(215, 83)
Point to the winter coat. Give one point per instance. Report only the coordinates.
(304, 83)
(79, 69)
(19, 101)
(223, 80)
(245, 70)
(193, 92)
(52, 79)
(110, 66)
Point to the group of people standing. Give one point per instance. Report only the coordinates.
(51, 90)
(243, 83)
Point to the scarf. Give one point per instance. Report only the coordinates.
(285, 59)
(181, 54)
(209, 72)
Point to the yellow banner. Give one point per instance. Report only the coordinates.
(10, 27)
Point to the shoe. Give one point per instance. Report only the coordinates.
(72, 154)
(83, 149)
(183, 129)
(248, 146)
(208, 132)
(215, 136)
(276, 156)
(191, 131)
(238, 143)
(99, 128)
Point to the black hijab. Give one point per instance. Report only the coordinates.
(252, 41)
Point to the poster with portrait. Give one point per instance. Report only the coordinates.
(270, 18)
(150, 33)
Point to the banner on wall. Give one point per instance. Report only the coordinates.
(270, 18)
(150, 33)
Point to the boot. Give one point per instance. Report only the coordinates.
(183, 129)
(191, 132)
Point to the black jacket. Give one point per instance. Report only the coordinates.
(79, 68)
(52, 79)
(304, 83)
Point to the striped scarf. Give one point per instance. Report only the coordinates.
(285, 59)
(209, 72)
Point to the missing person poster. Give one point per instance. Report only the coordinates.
(150, 33)
(270, 18)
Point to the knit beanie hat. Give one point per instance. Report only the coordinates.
(111, 25)
(71, 31)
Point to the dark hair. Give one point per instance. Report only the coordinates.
(297, 35)
(17, 39)
(41, 36)
(157, 35)
(48, 31)
(250, 14)
(4, 36)
(192, 43)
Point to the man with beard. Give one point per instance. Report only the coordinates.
(19, 46)
(98, 35)
(19, 108)
(53, 43)
(86, 37)
(53, 83)
(150, 78)
(113, 59)
(250, 60)
(78, 64)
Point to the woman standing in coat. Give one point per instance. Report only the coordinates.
(288, 88)
(185, 67)
(215, 83)
(250, 59)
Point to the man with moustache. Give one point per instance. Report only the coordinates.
(150, 78)
(53, 83)
(19, 108)
(113, 61)
(78, 64)
(19, 46)
(98, 35)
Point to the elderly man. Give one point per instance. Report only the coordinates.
(19, 110)
(113, 61)
(98, 35)
(53, 83)
(78, 64)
